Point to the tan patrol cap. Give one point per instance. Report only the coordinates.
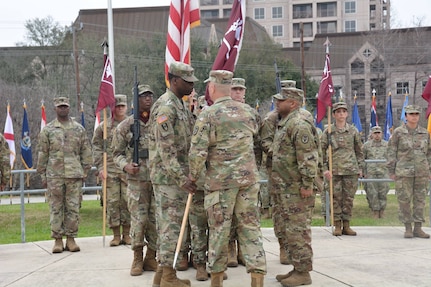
(238, 83)
(339, 105)
(120, 100)
(376, 129)
(290, 93)
(182, 70)
(288, 84)
(61, 101)
(222, 77)
(412, 109)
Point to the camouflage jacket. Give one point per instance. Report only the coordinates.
(171, 123)
(64, 151)
(267, 132)
(375, 150)
(5, 161)
(409, 152)
(223, 141)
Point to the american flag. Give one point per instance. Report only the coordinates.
(10, 137)
(374, 121)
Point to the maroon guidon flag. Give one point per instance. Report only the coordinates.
(326, 88)
(106, 92)
(426, 95)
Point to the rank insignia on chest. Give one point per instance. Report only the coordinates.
(161, 119)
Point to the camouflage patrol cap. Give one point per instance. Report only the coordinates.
(376, 129)
(61, 101)
(144, 89)
(238, 83)
(412, 109)
(222, 77)
(290, 93)
(120, 100)
(339, 105)
(288, 84)
(182, 70)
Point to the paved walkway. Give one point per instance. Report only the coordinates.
(378, 256)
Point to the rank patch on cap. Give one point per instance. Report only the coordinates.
(161, 119)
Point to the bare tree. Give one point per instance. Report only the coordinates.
(43, 32)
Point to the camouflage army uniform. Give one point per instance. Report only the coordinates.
(63, 163)
(376, 191)
(140, 196)
(5, 161)
(223, 140)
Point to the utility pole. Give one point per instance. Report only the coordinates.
(302, 61)
(76, 64)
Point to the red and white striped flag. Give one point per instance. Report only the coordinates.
(43, 117)
(10, 137)
(183, 15)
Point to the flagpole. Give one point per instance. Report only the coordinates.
(105, 169)
(111, 41)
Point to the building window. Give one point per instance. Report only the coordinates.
(277, 12)
(308, 30)
(302, 11)
(350, 7)
(327, 27)
(402, 88)
(259, 13)
(209, 2)
(372, 11)
(350, 26)
(373, 26)
(327, 9)
(357, 67)
(227, 2)
(367, 52)
(226, 13)
(209, 13)
(277, 31)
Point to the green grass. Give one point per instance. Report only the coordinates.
(37, 219)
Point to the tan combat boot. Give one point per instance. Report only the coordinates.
(170, 279)
(284, 258)
(297, 279)
(58, 246)
(240, 257)
(138, 262)
(409, 232)
(418, 232)
(381, 213)
(232, 260)
(376, 214)
(117, 236)
(256, 280)
(71, 245)
(280, 277)
(150, 263)
(347, 230)
(337, 231)
(217, 279)
(126, 235)
(183, 264)
(201, 272)
(157, 277)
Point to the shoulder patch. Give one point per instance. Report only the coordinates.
(161, 119)
(304, 139)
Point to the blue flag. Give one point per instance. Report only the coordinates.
(26, 156)
(318, 125)
(355, 117)
(403, 113)
(389, 121)
(82, 119)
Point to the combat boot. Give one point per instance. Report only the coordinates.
(280, 277)
(150, 263)
(297, 279)
(337, 231)
(138, 262)
(58, 246)
(256, 280)
(240, 257)
(376, 214)
(170, 279)
(409, 232)
(347, 230)
(232, 260)
(217, 279)
(418, 232)
(117, 236)
(183, 264)
(157, 277)
(126, 235)
(201, 272)
(284, 258)
(71, 245)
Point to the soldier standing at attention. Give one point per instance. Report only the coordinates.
(64, 160)
(140, 198)
(172, 123)
(295, 160)
(347, 166)
(5, 162)
(223, 142)
(408, 161)
(116, 182)
(376, 148)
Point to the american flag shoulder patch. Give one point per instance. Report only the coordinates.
(161, 119)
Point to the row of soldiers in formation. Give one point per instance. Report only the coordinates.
(210, 152)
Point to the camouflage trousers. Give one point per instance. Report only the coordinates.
(264, 196)
(141, 205)
(279, 224)
(116, 197)
(170, 206)
(411, 194)
(222, 207)
(377, 192)
(198, 228)
(64, 199)
(296, 213)
(344, 190)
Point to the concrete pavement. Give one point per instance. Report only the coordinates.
(378, 256)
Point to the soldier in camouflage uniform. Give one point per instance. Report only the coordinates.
(172, 123)
(223, 141)
(295, 163)
(116, 182)
(64, 160)
(140, 197)
(376, 148)
(5, 163)
(408, 162)
(347, 166)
